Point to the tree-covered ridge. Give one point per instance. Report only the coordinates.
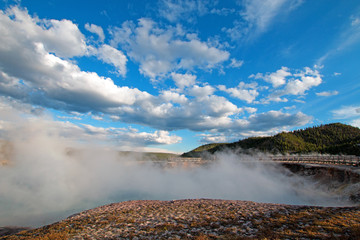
(207, 147)
(335, 138)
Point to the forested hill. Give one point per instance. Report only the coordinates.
(335, 138)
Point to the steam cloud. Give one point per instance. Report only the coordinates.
(46, 181)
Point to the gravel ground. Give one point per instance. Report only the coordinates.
(203, 219)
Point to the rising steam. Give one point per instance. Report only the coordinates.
(49, 176)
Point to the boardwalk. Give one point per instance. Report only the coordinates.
(348, 160)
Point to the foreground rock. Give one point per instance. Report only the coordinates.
(203, 219)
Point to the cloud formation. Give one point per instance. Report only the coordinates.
(114, 57)
(187, 10)
(96, 30)
(277, 78)
(243, 91)
(37, 71)
(19, 29)
(287, 83)
(13, 118)
(160, 51)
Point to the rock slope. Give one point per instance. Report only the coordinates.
(203, 219)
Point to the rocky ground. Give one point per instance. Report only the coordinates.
(203, 219)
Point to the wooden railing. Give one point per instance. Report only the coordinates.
(348, 160)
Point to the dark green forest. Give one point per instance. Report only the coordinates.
(335, 138)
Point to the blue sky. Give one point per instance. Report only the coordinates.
(170, 75)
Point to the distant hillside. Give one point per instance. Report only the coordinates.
(335, 138)
(208, 147)
(148, 155)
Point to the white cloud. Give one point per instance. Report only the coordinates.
(236, 63)
(96, 117)
(346, 112)
(114, 57)
(183, 80)
(188, 10)
(170, 96)
(277, 78)
(130, 136)
(96, 30)
(276, 119)
(213, 138)
(60, 37)
(263, 124)
(160, 51)
(201, 92)
(337, 74)
(297, 83)
(49, 81)
(327, 94)
(33, 72)
(13, 118)
(30, 73)
(250, 109)
(246, 92)
(308, 79)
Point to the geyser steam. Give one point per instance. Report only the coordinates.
(45, 180)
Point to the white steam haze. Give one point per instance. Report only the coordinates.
(45, 182)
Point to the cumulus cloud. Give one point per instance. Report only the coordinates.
(114, 57)
(212, 138)
(297, 83)
(171, 96)
(261, 124)
(277, 78)
(58, 83)
(327, 93)
(50, 81)
(201, 92)
(277, 119)
(250, 109)
(96, 30)
(163, 50)
(183, 80)
(32, 74)
(307, 79)
(243, 91)
(130, 137)
(60, 37)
